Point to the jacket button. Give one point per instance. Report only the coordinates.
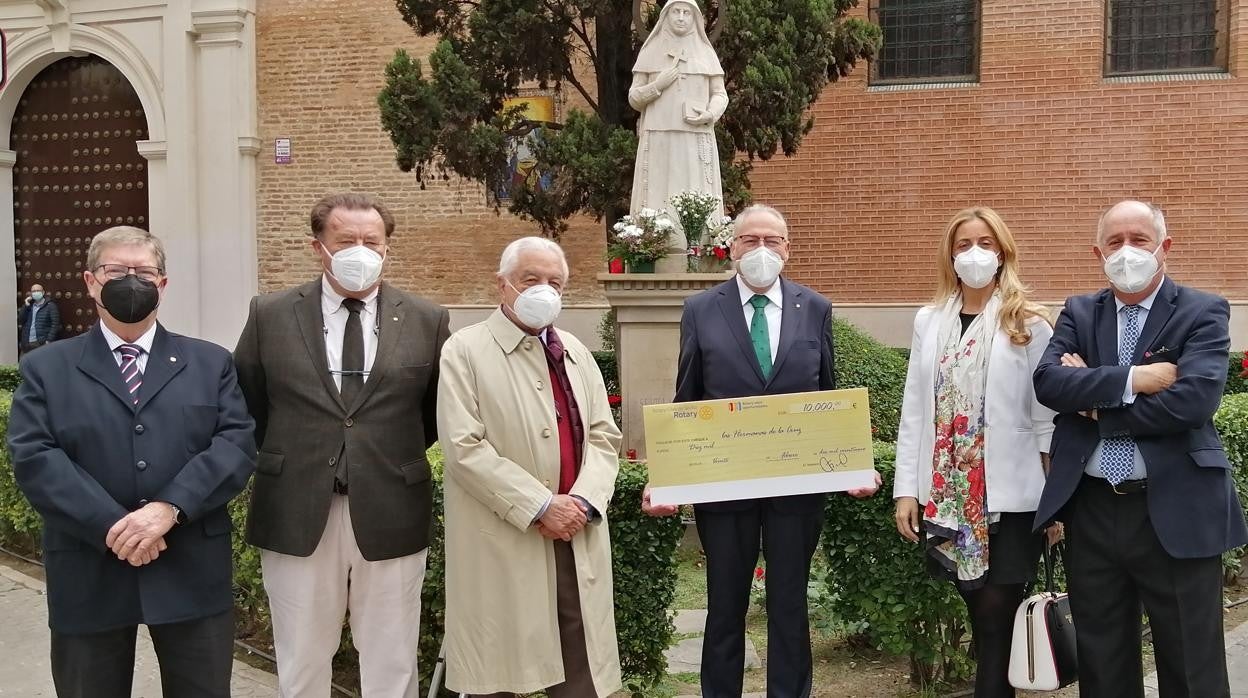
(143, 502)
(141, 465)
(527, 345)
(546, 433)
(350, 422)
(138, 428)
(539, 385)
(333, 460)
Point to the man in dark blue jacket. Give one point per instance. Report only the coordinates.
(1138, 474)
(130, 441)
(756, 334)
(38, 322)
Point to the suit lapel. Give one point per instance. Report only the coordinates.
(391, 316)
(312, 329)
(163, 363)
(734, 316)
(98, 363)
(1158, 316)
(1105, 319)
(790, 323)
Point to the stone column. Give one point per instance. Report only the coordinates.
(647, 314)
(226, 147)
(8, 282)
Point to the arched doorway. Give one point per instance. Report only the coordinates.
(78, 172)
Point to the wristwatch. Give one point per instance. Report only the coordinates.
(178, 516)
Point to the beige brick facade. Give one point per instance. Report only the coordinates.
(320, 66)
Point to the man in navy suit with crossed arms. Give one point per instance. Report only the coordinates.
(1138, 474)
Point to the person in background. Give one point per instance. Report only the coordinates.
(38, 322)
(966, 492)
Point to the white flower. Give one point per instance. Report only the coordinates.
(631, 231)
(647, 213)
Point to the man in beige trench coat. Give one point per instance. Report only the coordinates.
(531, 460)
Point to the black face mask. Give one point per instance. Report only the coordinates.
(129, 299)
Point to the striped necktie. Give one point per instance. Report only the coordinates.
(130, 372)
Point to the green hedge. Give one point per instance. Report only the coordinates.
(878, 584)
(1235, 382)
(9, 378)
(863, 362)
(643, 559)
(1231, 420)
(610, 370)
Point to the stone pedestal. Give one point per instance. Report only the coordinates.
(647, 313)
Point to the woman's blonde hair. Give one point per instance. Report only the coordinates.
(1016, 309)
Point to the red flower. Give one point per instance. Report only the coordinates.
(975, 478)
(960, 423)
(759, 572)
(631, 454)
(720, 253)
(613, 400)
(938, 481)
(930, 510)
(1245, 365)
(616, 266)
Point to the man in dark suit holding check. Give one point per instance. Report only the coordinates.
(756, 334)
(129, 441)
(1138, 474)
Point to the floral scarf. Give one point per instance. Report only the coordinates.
(956, 518)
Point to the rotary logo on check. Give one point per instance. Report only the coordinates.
(706, 412)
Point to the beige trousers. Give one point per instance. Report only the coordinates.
(308, 597)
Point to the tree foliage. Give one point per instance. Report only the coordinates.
(777, 55)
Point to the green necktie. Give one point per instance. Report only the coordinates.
(758, 334)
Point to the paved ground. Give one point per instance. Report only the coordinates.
(24, 642)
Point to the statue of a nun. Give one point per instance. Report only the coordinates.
(678, 86)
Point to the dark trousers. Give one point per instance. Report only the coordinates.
(195, 660)
(1115, 564)
(578, 677)
(991, 609)
(788, 530)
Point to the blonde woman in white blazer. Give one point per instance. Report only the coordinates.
(972, 449)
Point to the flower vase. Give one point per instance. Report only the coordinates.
(641, 267)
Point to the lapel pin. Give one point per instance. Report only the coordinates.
(173, 359)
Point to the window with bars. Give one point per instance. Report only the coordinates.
(926, 41)
(1165, 36)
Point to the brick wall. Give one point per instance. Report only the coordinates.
(1042, 138)
(320, 66)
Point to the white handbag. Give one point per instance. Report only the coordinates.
(1043, 654)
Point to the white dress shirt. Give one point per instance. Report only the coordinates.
(335, 317)
(773, 311)
(144, 342)
(1138, 470)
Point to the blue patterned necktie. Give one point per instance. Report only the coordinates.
(759, 336)
(130, 372)
(1118, 454)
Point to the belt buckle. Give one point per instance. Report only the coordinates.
(1115, 488)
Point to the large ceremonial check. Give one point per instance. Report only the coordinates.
(767, 446)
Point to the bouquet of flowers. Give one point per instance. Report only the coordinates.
(692, 210)
(715, 241)
(640, 238)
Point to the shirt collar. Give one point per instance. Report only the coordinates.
(774, 294)
(144, 342)
(331, 300)
(1147, 303)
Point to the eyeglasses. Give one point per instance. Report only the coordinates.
(112, 272)
(774, 242)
